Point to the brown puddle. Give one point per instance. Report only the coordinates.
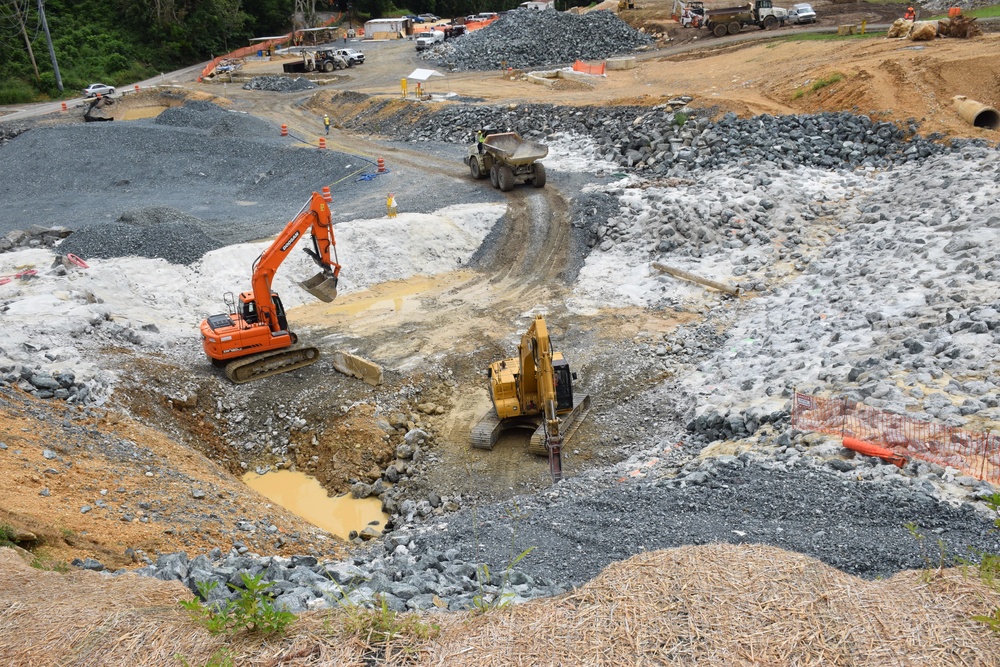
(303, 495)
(143, 112)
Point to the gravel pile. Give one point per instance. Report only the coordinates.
(33, 237)
(279, 84)
(660, 141)
(233, 172)
(213, 119)
(7, 133)
(155, 232)
(523, 39)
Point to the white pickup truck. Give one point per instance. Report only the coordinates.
(429, 39)
(351, 56)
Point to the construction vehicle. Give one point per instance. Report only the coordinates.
(509, 160)
(731, 20)
(625, 4)
(252, 339)
(316, 61)
(689, 14)
(533, 390)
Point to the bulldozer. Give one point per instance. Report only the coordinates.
(533, 390)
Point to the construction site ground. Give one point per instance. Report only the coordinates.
(159, 447)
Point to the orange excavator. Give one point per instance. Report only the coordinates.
(252, 339)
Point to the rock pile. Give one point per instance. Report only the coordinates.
(7, 133)
(156, 232)
(212, 118)
(404, 581)
(35, 236)
(279, 84)
(523, 39)
(42, 383)
(670, 141)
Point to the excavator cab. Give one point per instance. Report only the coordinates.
(564, 384)
(248, 310)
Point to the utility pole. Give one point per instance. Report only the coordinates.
(52, 51)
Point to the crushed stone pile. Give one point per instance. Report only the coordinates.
(661, 141)
(155, 232)
(8, 132)
(524, 39)
(230, 170)
(212, 118)
(279, 84)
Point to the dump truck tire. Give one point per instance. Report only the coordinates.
(720, 30)
(734, 27)
(770, 22)
(474, 168)
(495, 176)
(539, 179)
(328, 66)
(505, 179)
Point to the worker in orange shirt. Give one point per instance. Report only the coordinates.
(909, 14)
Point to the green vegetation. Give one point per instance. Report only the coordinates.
(989, 569)
(381, 626)
(252, 611)
(680, 119)
(932, 565)
(7, 534)
(818, 84)
(484, 602)
(981, 13)
(824, 37)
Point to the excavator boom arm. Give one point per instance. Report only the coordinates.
(315, 215)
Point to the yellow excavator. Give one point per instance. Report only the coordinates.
(533, 390)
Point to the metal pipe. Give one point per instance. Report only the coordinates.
(976, 113)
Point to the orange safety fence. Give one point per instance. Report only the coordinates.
(597, 70)
(974, 453)
(252, 50)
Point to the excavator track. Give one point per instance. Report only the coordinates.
(267, 364)
(570, 422)
(486, 432)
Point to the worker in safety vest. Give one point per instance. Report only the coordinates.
(326, 123)
(390, 205)
(480, 140)
(910, 15)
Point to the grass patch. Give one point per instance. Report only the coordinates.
(982, 13)
(827, 36)
(7, 535)
(818, 85)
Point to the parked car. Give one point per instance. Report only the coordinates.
(351, 56)
(429, 18)
(95, 89)
(415, 19)
(801, 13)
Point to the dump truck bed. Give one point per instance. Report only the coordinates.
(512, 149)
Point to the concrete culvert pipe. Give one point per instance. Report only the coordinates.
(976, 113)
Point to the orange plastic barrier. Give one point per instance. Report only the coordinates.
(954, 12)
(974, 453)
(868, 449)
(597, 70)
(252, 50)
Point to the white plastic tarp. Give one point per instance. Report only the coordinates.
(423, 74)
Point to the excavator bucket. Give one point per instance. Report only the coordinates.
(322, 286)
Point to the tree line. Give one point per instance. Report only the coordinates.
(120, 41)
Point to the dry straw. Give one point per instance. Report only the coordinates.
(706, 605)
